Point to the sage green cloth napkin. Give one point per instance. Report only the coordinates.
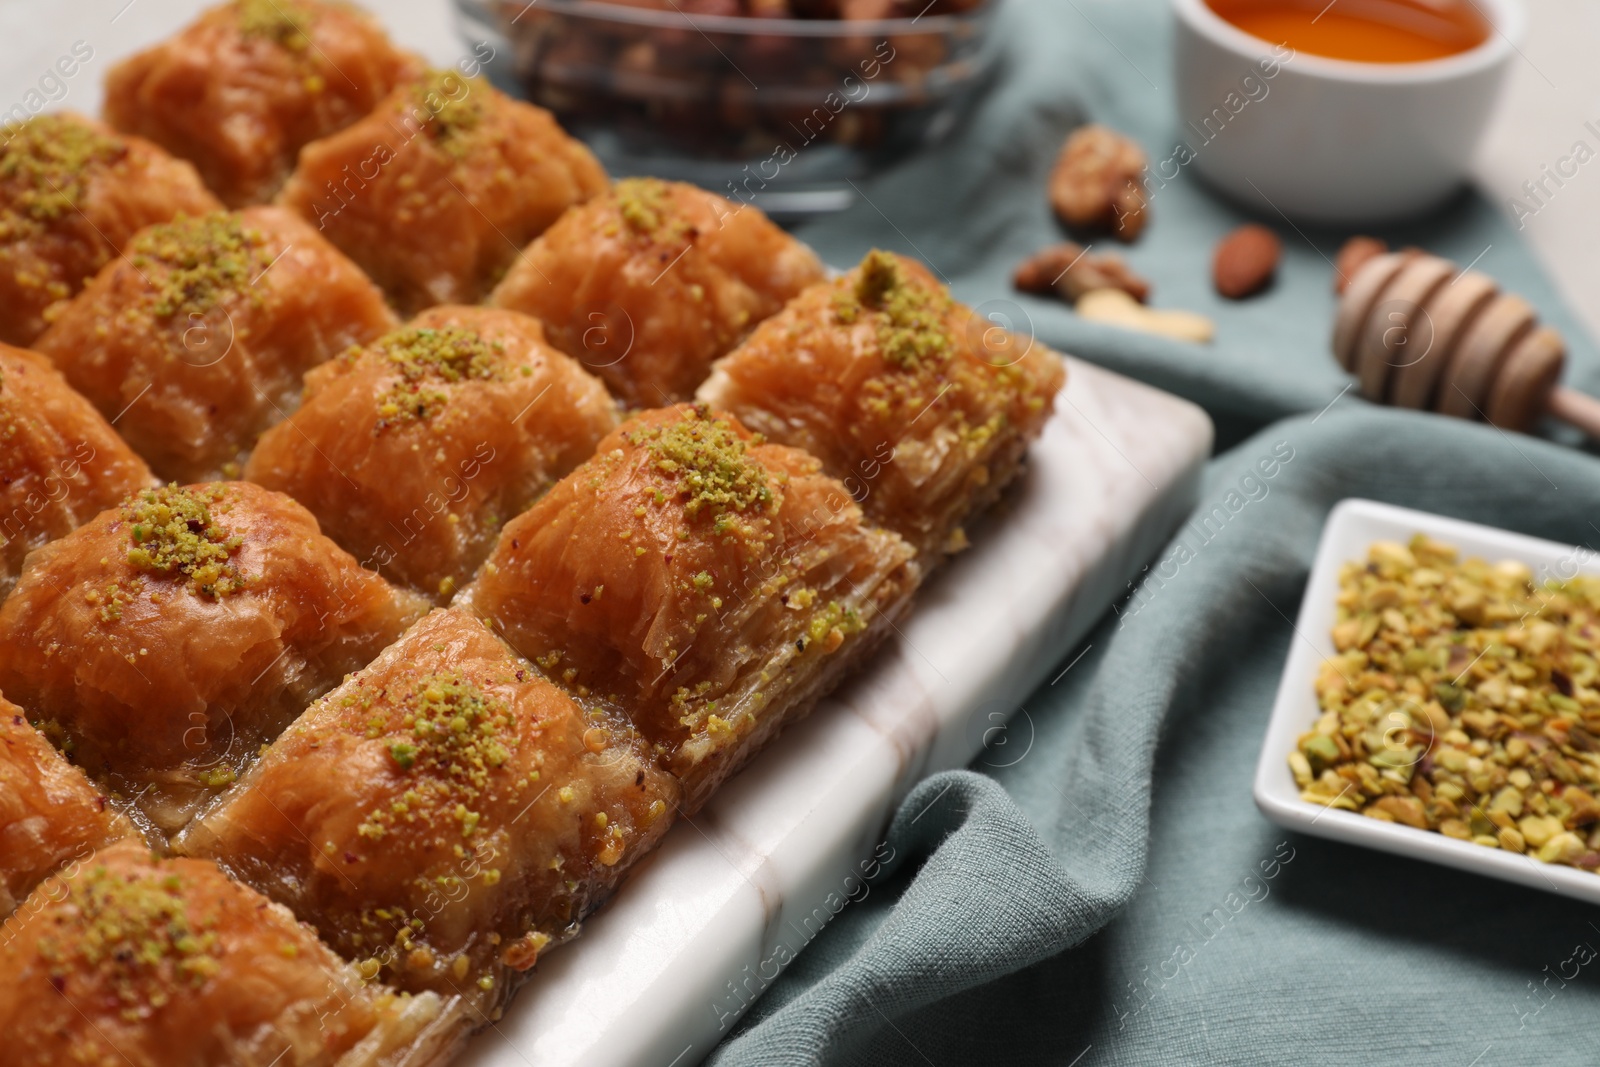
(1113, 896)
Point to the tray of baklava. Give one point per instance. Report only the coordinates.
(408, 535)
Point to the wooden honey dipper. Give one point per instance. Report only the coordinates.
(1418, 332)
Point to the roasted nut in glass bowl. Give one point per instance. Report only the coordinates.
(667, 88)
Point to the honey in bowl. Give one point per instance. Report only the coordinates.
(1367, 31)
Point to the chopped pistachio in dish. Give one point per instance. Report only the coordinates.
(1462, 700)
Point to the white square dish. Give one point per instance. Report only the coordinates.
(1351, 528)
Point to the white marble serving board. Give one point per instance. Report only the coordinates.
(663, 971)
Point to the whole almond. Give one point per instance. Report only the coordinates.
(1245, 261)
(1352, 257)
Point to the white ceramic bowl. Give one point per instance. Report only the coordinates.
(1351, 529)
(1331, 140)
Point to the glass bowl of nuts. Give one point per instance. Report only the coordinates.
(781, 103)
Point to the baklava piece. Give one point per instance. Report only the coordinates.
(709, 586)
(129, 960)
(413, 451)
(444, 815)
(60, 463)
(72, 193)
(920, 406)
(438, 189)
(50, 815)
(195, 341)
(164, 641)
(650, 283)
(243, 88)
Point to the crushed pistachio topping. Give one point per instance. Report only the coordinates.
(115, 596)
(134, 932)
(455, 105)
(828, 629)
(57, 735)
(642, 203)
(710, 462)
(933, 378)
(282, 21)
(218, 777)
(1461, 700)
(46, 163)
(910, 318)
(451, 735)
(523, 953)
(199, 262)
(448, 737)
(424, 359)
(171, 530)
(645, 205)
(13, 421)
(696, 712)
(823, 633)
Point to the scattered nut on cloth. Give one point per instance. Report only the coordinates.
(1117, 308)
(1097, 183)
(1352, 257)
(1245, 261)
(1069, 271)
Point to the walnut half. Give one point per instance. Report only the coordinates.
(1098, 184)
